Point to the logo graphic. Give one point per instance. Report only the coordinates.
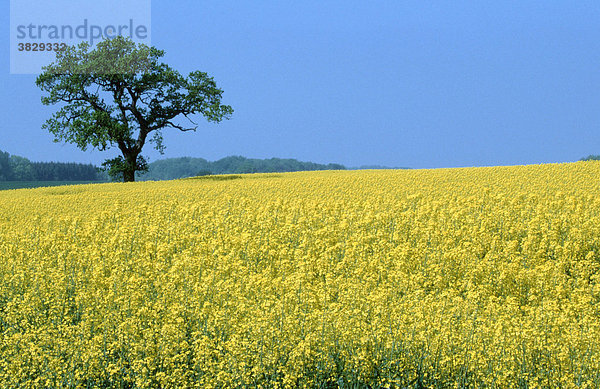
(39, 29)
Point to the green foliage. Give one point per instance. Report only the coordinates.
(119, 93)
(5, 170)
(173, 168)
(15, 168)
(202, 173)
(116, 167)
(591, 158)
(21, 168)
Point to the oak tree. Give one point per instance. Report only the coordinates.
(119, 94)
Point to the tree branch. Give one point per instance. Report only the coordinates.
(180, 128)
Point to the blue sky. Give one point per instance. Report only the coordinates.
(423, 84)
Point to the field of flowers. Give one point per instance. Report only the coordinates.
(474, 277)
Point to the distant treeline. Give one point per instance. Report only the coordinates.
(591, 158)
(172, 168)
(15, 168)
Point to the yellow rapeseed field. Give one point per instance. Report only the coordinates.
(447, 278)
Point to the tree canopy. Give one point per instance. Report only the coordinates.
(120, 95)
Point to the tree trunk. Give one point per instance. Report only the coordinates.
(129, 175)
(130, 166)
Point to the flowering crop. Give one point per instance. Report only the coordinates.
(474, 277)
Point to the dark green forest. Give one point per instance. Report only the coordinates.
(16, 168)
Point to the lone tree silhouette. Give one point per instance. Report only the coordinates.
(118, 94)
